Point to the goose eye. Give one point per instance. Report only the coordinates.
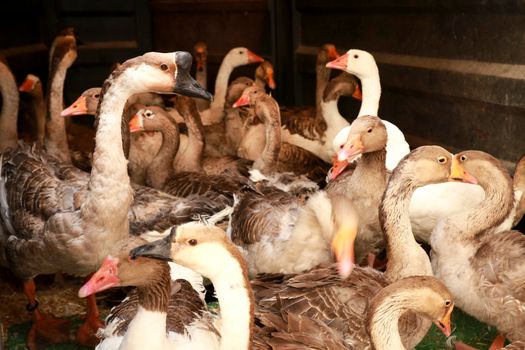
(97, 95)
(356, 56)
(442, 160)
(241, 52)
(369, 130)
(164, 66)
(463, 158)
(448, 303)
(149, 115)
(192, 242)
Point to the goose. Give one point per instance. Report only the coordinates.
(62, 55)
(481, 265)
(160, 173)
(197, 246)
(33, 86)
(62, 226)
(168, 298)
(276, 155)
(200, 53)
(264, 76)
(9, 112)
(445, 197)
(236, 57)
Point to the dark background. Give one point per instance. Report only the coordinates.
(452, 71)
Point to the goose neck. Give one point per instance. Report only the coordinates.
(268, 112)
(56, 137)
(221, 84)
(39, 107)
(322, 79)
(371, 87)
(9, 112)
(191, 158)
(161, 169)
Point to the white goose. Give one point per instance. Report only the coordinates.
(446, 198)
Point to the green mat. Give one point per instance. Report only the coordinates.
(466, 329)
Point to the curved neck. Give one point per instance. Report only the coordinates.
(267, 111)
(371, 87)
(370, 172)
(191, 158)
(322, 78)
(202, 76)
(39, 107)
(237, 306)
(160, 169)
(109, 195)
(489, 213)
(56, 136)
(221, 84)
(9, 113)
(405, 256)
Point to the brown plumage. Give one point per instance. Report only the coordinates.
(519, 184)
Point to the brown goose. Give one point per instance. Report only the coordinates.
(279, 156)
(33, 86)
(160, 173)
(167, 303)
(200, 53)
(61, 226)
(62, 54)
(482, 267)
(197, 247)
(9, 112)
(264, 75)
(236, 57)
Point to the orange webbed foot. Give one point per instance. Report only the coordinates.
(87, 333)
(47, 329)
(498, 343)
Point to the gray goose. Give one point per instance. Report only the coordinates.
(218, 189)
(264, 75)
(483, 267)
(167, 299)
(63, 226)
(246, 324)
(33, 87)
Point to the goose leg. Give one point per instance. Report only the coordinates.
(86, 334)
(45, 327)
(498, 343)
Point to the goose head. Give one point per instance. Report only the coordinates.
(151, 118)
(30, 84)
(476, 167)
(265, 74)
(343, 85)
(326, 53)
(87, 103)
(365, 134)
(63, 49)
(201, 50)
(161, 73)
(240, 56)
(357, 62)
(249, 97)
(236, 89)
(119, 269)
(195, 245)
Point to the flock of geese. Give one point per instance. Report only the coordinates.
(240, 191)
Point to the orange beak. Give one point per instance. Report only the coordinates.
(343, 248)
(337, 167)
(458, 173)
(332, 53)
(136, 123)
(244, 100)
(444, 323)
(27, 86)
(351, 149)
(253, 58)
(339, 63)
(106, 277)
(77, 108)
(358, 94)
(270, 80)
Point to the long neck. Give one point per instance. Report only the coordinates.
(221, 84)
(236, 303)
(371, 87)
(488, 214)
(191, 158)
(56, 137)
(109, 193)
(39, 106)
(9, 113)
(322, 78)
(147, 330)
(384, 331)
(161, 169)
(405, 256)
(202, 76)
(267, 161)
